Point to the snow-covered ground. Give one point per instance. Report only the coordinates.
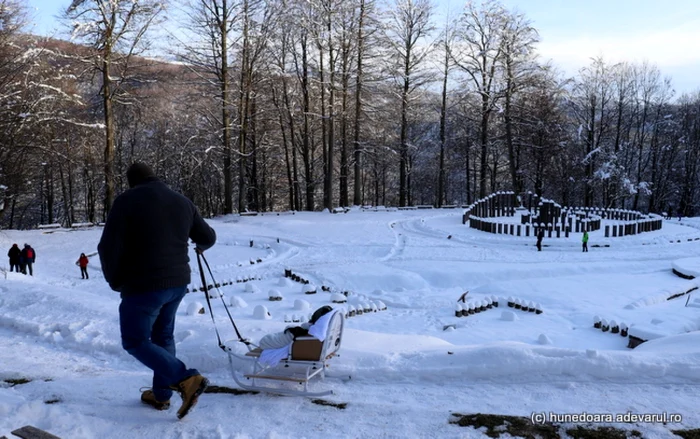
(402, 371)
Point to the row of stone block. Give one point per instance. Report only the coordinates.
(612, 326)
(494, 205)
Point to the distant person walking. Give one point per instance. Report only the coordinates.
(27, 259)
(14, 254)
(584, 241)
(82, 262)
(540, 237)
(669, 212)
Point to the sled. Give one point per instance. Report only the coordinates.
(306, 358)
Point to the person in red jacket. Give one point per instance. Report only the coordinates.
(82, 262)
(26, 259)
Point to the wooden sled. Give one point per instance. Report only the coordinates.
(307, 357)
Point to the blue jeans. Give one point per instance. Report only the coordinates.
(147, 324)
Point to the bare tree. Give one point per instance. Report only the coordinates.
(519, 38)
(280, 70)
(592, 107)
(347, 21)
(690, 155)
(299, 99)
(207, 50)
(115, 29)
(446, 64)
(478, 50)
(407, 30)
(308, 148)
(256, 20)
(365, 8)
(12, 20)
(652, 92)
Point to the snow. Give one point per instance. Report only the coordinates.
(404, 366)
(688, 266)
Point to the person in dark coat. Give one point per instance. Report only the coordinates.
(82, 262)
(144, 255)
(14, 255)
(540, 237)
(27, 259)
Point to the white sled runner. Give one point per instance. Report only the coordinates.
(283, 371)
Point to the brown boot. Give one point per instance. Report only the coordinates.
(189, 389)
(147, 397)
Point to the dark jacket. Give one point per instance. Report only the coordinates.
(144, 243)
(13, 254)
(25, 255)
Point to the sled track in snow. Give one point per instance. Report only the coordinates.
(410, 233)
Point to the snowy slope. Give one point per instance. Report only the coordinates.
(401, 373)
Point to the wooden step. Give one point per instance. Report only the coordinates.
(254, 353)
(278, 377)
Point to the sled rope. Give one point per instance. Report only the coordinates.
(205, 287)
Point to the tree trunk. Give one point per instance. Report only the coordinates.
(225, 116)
(243, 114)
(307, 154)
(403, 149)
(590, 141)
(508, 121)
(344, 168)
(329, 122)
(357, 196)
(109, 131)
(443, 138)
(253, 196)
(484, 139)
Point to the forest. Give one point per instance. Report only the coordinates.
(279, 105)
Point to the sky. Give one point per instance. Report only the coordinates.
(665, 33)
(403, 371)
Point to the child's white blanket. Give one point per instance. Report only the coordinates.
(320, 328)
(271, 357)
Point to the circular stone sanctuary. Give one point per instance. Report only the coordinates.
(491, 214)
